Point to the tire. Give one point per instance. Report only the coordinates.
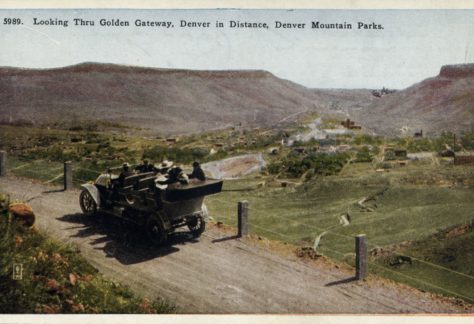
(197, 225)
(88, 205)
(155, 230)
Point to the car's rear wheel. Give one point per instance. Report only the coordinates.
(88, 205)
(155, 230)
(197, 225)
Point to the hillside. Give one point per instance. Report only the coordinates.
(168, 101)
(187, 101)
(441, 103)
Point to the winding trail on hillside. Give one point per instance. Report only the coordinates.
(216, 273)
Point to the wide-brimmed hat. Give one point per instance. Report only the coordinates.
(166, 164)
(126, 165)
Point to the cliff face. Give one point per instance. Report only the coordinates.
(89, 67)
(457, 71)
(441, 103)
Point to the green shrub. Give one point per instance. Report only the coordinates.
(390, 155)
(363, 155)
(274, 168)
(318, 163)
(384, 165)
(467, 140)
(367, 139)
(420, 145)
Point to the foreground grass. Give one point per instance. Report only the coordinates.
(56, 279)
(444, 262)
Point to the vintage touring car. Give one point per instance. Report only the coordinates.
(142, 200)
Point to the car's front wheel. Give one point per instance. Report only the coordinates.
(88, 204)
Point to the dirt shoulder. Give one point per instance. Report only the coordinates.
(216, 273)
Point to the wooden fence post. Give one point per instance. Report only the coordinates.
(362, 256)
(67, 175)
(242, 218)
(3, 163)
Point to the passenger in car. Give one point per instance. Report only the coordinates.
(197, 173)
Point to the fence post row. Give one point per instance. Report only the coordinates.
(67, 175)
(362, 256)
(3, 163)
(242, 218)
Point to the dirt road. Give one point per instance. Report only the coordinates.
(217, 273)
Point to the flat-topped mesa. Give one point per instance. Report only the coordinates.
(90, 67)
(457, 71)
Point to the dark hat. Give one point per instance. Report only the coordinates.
(175, 171)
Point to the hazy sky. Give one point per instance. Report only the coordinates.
(412, 46)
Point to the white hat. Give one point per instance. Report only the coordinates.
(166, 164)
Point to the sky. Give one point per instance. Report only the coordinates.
(412, 46)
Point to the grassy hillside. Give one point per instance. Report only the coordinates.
(444, 261)
(57, 279)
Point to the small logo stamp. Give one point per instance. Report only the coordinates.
(17, 271)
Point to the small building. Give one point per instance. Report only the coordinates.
(463, 159)
(350, 124)
(400, 153)
(419, 134)
(347, 123)
(171, 140)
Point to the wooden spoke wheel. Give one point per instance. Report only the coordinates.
(88, 205)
